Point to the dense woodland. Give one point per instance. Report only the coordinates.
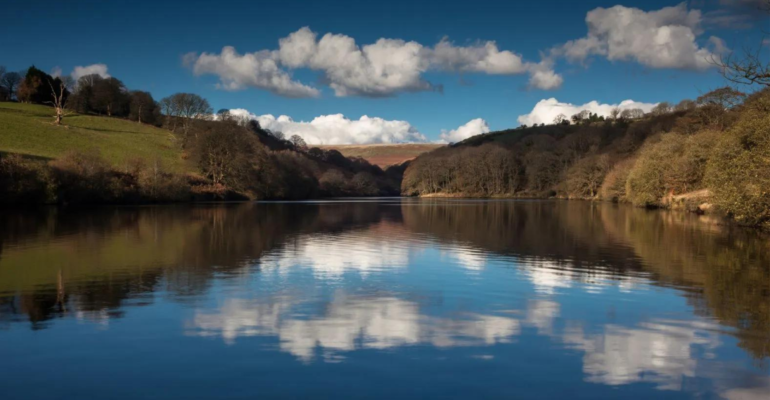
(234, 158)
(712, 151)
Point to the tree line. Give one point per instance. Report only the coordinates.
(234, 157)
(709, 152)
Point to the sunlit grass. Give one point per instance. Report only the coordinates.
(28, 129)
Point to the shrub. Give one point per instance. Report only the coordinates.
(24, 181)
(739, 170)
(85, 177)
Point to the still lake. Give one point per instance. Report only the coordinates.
(382, 298)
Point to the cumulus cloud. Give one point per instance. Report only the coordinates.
(545, 111)
(338, 129)
(471, 128)
(258, 70)
(80, 71)
(665, 38)
(383, 68)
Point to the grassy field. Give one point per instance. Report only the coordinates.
(384, 154)
(28, 130)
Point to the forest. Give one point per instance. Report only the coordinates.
(704, 155)
(227, 157)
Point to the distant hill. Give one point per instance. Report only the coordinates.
(384, 155)
(27, 129)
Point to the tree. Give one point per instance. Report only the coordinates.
(185, 108)
(228, 155)
(298, 142)
(725, 97)
(749, 68)
(615, 113)
(142, 107)
(59, 92)
(560, 119)
(738, 171)
(110, 97)
(10, 81)
(685, 105)
(661, 108)
(581, 116)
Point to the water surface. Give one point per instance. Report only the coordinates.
(382, 298)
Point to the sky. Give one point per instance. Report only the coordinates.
(371, 72)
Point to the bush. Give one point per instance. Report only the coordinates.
(739, 170)
(614, 185)
(85, 177)
(668, 165)
(24, 182)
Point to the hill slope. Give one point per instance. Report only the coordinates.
(27, 129)
(384, 155)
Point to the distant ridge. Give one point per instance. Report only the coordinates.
(384, 155)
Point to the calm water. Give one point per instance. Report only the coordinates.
(378, 299)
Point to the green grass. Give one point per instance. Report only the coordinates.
(27, 129)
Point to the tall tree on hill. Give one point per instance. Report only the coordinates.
(10, 81)
(142, 108)
(35, 87)
(59, 92)
(82, 100)
(110, 97)
(184, 109)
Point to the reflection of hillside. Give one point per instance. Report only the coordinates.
(568, 232)
(725, 272)
(729, 269)
(92, 261)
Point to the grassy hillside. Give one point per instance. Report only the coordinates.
(384, 155)
(27, 129)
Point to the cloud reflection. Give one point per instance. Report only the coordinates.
(351, 323)
(332, 256)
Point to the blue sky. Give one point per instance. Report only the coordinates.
(143, 44)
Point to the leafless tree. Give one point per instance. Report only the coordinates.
(750, 66)
(10, 81)
(615, 113)
(59, 96)
(298, 142)
(185, 108)
(560, 119)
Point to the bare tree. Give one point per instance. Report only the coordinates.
(298, 142)
(615, 113)
(10, 81)
(560, 119)
(748, 68)
(59, 96)
(185, 108)
(661, 108)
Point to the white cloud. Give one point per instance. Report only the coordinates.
(471, 128)
(98, 69)
(56, 72)
(383, 68)
(547, 110)
(258, 70)
(665, 38)
(545, 79)
(338, 129)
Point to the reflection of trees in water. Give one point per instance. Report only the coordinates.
(92, 261)
(727, 270)
(724, 271)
